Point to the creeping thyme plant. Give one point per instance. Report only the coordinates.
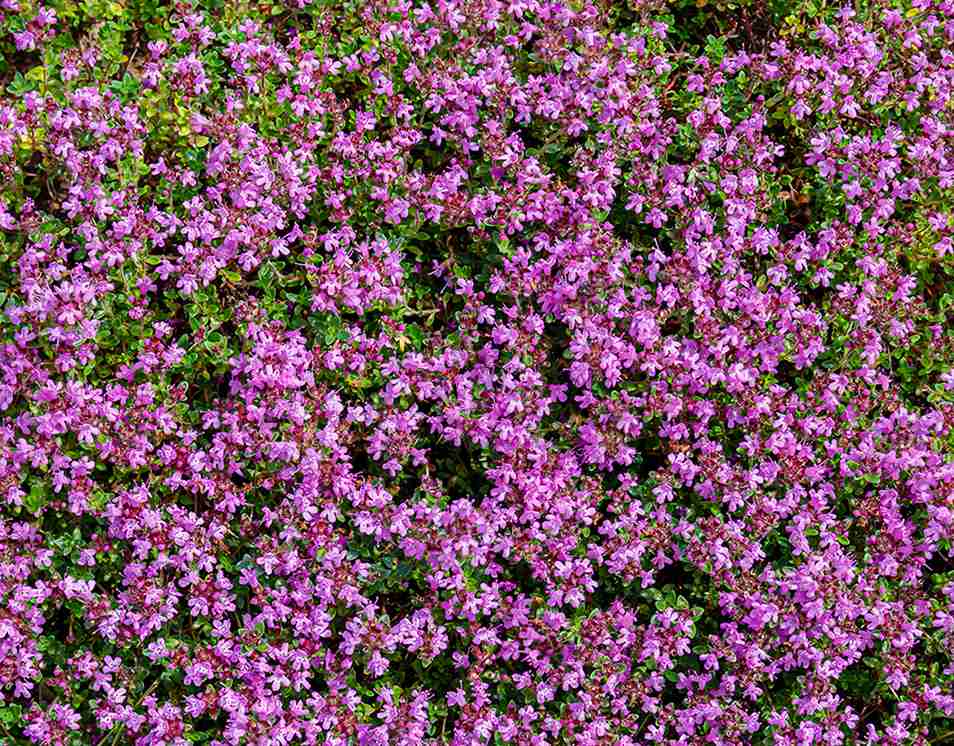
(476, 372)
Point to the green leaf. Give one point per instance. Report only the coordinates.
(715, 48)
(37, 496)
(10, 714)
(20, 85)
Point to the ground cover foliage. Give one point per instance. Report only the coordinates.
(476, 372)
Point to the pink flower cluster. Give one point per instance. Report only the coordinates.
(477, 372)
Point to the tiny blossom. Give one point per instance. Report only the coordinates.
(535, 372)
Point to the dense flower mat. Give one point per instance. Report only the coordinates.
(476, 372)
